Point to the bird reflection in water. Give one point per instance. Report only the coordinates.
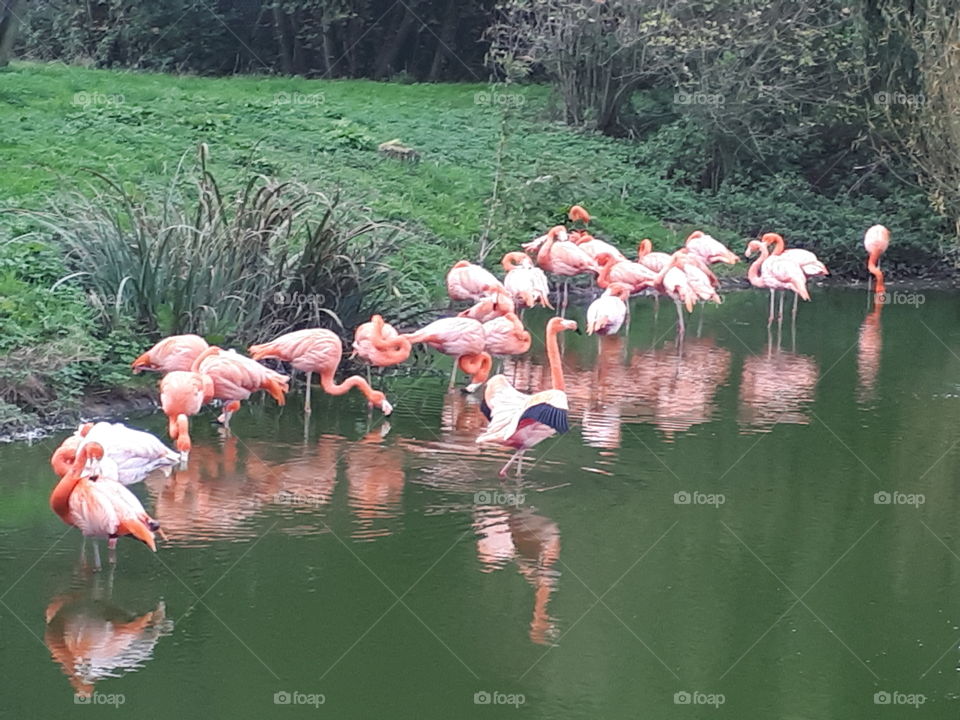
(869, 345)
(776, 388)
(91, 638)
(375, 479)
(533, 543)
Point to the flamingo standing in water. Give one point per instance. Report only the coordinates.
(176, 352)
(656, 261)
(557, 255)
(606, 314)
(236, 378)
(521, 421)
(674, 282)
(98, 505)
(378, 354)
(497, 303)
(182, 395)
(462, 339)
(524, 281)
(318, 351)
(876, 241)
(636, 276)
(775, 273)
(505, 335)
(808, 261)
(466, 281)
(594, 248)
(135, 452)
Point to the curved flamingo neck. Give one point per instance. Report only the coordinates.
(331, 387)
(203, 356)
(395, 347)
(753, 274)
(553, 356)
(777, 241)
(60, 497)
(873, 267)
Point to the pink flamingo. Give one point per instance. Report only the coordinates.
(876, 241)
(376, 342)
(579, 214)
(638, 277)
(236, 378)
(593, 247)
(559, 256)
(524, 281)
(808, 261)
(135, 452)
(674, 282)
(98, 505)
(521, 421)
(606, 314)
(505, 335)
(176, 352)
(655, 261)
(467, 281)
(497, 303)
(709, 249)
(462, 339)
(317, 350)
(775, 273)
(182, 395)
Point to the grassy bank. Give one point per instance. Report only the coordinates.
(493, 168)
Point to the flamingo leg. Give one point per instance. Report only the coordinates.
(503, 470)
(97, 565)
(520, 463)
(306, 403)
(680, 324)
(112, 547)
(700, 324)
(780, 312)
(453, 375)
(770, 318)
(566, 294)
(795, 297)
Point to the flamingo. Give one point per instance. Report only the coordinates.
(318, 350)
(524, 281)
(702, 281)
(496, 304)
(505, 335)
(89, 497)
(636, 276)
(808, 261)
(559, 256)
(656, 261)
(235, 378)
(135, 452)
(593, 247)
(374, 343)
(709, 249)
(606, 314)
(579, 214)
(176, 352)
(674, 282)
(182, 395)
(519, 420)
(876, 241)
(466, 281)
(775, 273)
(462, 339)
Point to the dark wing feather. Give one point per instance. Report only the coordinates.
(548, 415)
(485, 409)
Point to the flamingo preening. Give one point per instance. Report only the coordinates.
(606, 314)
(461, 338)
(318, 350)
(466, 281)
(236, 377)
(521, 421)
(525, 282)
(176, 352)
(709, 249)
(90, 498)
(876, 241)
(182, 395)
(656, 261)
(774, 272)
(594, 247)
(557, 255)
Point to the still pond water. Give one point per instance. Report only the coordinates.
(734, 528)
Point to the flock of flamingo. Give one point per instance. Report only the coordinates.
(99, 460)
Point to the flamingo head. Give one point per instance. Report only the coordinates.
(620, 290)
(89, 458)
(755, 246)
(603, 259)
(694, 235)
(558, 324)
(379, 400)
(513, 260)
(557, 232)
(645, 247)
(578, 214)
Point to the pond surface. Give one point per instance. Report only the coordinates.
(709, 533)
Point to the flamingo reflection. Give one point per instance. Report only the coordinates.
(533, 543)
(776, 388)
(375, 479)
(92, 639)
(869, 345)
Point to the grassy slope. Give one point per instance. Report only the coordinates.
(140, 125)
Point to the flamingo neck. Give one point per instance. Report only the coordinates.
(753, 274)
(203, 356)
(183, 433)
(331, 387)
(645, 248)
(777, 241)
(477, 366)
(60, 497)
(873, 267)
(553, 356)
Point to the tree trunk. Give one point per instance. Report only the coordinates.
(283, 38)
(388, 54)
(448, 33)
(9, 21)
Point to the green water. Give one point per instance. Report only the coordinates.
(383, 567)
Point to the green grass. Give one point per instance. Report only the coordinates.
(138, 126)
